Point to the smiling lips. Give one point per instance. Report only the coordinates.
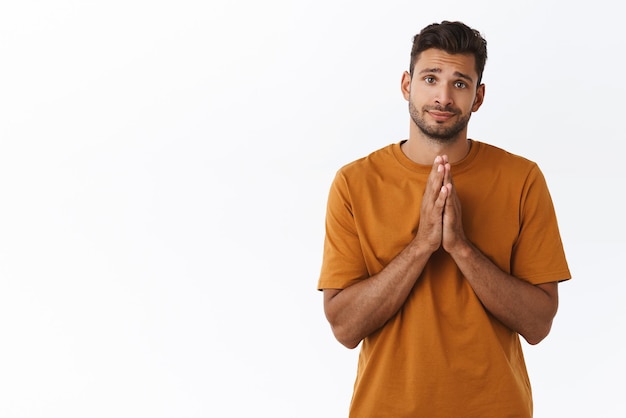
(440, 116)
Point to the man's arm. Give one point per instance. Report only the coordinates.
(523, 307)
(358, 310)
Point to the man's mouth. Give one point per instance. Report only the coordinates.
(440, 116)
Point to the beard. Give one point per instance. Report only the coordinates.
(439, 132)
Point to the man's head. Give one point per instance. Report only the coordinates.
(453, 38)
(443, 85)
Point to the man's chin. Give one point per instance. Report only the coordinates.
(440, 136)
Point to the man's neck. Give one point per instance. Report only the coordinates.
(423, 150)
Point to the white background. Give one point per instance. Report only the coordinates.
(164, 168)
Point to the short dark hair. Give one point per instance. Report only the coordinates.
(453, 38)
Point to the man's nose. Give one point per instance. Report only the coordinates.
(444, 95)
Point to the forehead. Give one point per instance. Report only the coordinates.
(437, 59)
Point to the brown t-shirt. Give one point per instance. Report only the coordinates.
(442, 354)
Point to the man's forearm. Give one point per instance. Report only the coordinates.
(523, 307)
(357, 311)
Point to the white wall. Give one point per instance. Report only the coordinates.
(163, 176)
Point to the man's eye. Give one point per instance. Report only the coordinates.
(429, 80)
(460, 85)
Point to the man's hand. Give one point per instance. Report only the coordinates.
(430, 231)
(453, 235)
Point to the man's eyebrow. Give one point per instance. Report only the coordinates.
(430, 70)
(437, 70)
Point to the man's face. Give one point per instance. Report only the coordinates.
(443, 94)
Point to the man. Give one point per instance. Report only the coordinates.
(440, 251)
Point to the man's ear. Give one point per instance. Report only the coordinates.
(405, 85)
(480, 97)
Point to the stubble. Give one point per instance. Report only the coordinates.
(439, 132)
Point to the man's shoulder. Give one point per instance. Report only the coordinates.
(499, 152)
(506, 157)
(377, 158)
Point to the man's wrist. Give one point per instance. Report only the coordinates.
(462, 250)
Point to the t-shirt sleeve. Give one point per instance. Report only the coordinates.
(342, 263)
(538, 254)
